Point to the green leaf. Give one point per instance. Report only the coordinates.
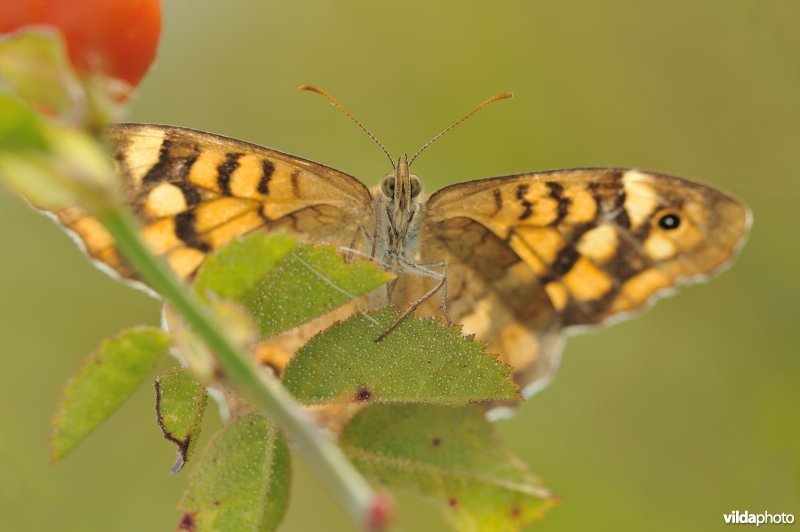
(20, 128)
(232, 271)
(180, 404)
(34, 64)
(284, 283)
(52, 165)
(33, 176)
(106, 378)
(241, 481)
(420, 361)
(450, 456)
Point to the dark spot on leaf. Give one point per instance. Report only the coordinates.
(216, 503)
(453, 502)
(363, 394)
(187, 521)
(515, 512)
(436, 441)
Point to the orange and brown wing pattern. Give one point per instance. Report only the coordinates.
(576, 247)
(194, 191)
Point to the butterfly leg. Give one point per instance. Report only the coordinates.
(443, 304)
(348, 257)
(352, 250)
(426, 269)
(411, 308)
(423, 270)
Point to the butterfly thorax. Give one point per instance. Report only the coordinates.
(397, 206)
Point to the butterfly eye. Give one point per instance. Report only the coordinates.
(416, 186)
(387, 186)
(669, 221)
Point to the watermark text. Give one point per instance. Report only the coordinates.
(764, 518)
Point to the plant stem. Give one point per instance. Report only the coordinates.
(345, 483)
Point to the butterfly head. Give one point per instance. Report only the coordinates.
(401, 187)
(400, 191)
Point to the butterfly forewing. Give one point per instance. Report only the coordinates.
(194, 191)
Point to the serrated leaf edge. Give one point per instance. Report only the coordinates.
(87, 360)
(185, 444)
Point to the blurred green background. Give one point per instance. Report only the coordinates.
(662, 423)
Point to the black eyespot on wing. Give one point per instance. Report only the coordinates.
(669, 221)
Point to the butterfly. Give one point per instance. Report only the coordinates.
(520, 260)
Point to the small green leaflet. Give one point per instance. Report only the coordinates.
(180, 404)
(240, 481)
(284, 283)
(20, 129)
(450, 456)
(106, 378)
(53, 166)
(421, 361)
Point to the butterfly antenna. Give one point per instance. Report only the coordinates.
(501, 96)
(340, 107)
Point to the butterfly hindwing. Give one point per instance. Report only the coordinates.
(576, 247)
(194, 191)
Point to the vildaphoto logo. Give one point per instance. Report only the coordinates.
(764, 518)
